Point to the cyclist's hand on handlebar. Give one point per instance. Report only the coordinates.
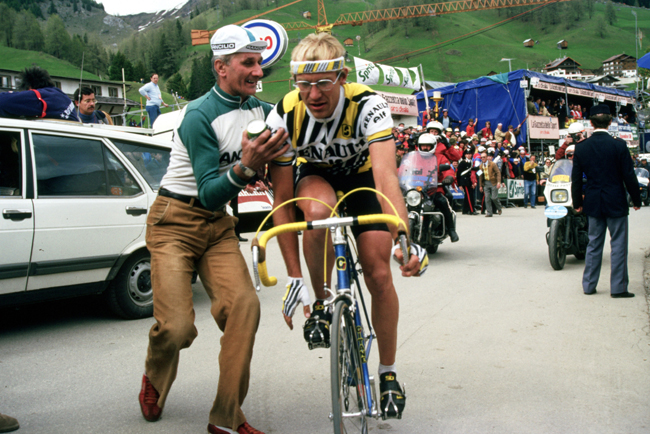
(297, 293)
(418, 262)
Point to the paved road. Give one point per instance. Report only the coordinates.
(491, 340)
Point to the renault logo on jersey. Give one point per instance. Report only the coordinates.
(340, 263)
(347, 131)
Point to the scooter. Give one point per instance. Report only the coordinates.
(568, 230)
(418, 176)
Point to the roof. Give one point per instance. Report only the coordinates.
(88, 80)
(611, 59)
(558, 62)
(437, 84)
(529, 39)
(598, 78)
(559, 42)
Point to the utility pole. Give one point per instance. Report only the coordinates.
(636, 53)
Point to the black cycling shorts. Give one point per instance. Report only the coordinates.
(359, 203)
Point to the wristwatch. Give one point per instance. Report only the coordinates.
(247, 170)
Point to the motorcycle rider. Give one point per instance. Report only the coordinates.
(576, 134)
(428, 143)
(452, 153)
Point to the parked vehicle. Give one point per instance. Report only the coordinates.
(74, 200)
(568, 230)
(418, 176)
(642, 176)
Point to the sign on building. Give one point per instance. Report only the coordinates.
(542, 127)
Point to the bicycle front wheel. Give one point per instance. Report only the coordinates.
(349, 406)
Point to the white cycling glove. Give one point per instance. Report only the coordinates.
(296, 293)
(418, 251)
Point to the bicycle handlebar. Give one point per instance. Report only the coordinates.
(259, 246)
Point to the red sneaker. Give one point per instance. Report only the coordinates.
(244, 428)
(149, 400)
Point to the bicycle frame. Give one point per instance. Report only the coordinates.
(346, 273)
(351, 371)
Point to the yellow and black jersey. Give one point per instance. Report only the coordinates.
(341, 142)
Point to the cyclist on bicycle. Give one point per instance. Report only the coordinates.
(335, 129)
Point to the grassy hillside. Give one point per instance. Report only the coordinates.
(464, 58)
(459, 60)
(16, 60)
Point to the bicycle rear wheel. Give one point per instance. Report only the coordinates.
(349, 406)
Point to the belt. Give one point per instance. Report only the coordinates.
(191, 201)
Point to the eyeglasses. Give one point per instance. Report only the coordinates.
(88, 101)
(324, 85)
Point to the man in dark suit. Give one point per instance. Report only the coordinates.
(607, 164)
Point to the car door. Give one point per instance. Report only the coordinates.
(88, 209)
(17, 221)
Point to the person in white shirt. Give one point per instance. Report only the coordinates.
(151, 91)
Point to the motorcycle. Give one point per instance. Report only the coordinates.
(418, 176)
(642, 176)
(568, 230)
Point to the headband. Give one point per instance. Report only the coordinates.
(314, 66)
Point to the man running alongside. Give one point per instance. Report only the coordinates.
(335, 130)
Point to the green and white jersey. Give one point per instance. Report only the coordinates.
(207, 144)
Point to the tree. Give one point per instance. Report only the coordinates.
(52, 9)
(201, 79)
(7, 18)
(28, 34)
(57, 39)
(610, 13)
(118, 62)
(601, 27)
(590, 7)
(176, 84)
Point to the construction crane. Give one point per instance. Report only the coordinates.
(360, 18)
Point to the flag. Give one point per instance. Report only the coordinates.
(390, 76)
(367, 72)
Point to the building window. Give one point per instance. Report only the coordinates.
(112, 91)
(5, 81)
(97, 90)
(57, 84)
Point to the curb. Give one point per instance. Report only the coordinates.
(646, 280)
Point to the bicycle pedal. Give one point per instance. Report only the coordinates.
(318, 345)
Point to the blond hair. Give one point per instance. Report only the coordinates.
(318, 46)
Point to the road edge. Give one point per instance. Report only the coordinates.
(646, 281)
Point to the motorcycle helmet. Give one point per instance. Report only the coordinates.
(575, 129)
(570, 150)
(428, 141)
(436, 126)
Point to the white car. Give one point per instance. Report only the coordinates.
(74, 200)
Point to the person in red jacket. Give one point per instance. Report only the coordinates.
(470, 127)
(429, 143)
(486, 132)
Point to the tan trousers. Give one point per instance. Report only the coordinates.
(180, 238)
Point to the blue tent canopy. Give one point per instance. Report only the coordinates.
(498, 98)
(644, 62)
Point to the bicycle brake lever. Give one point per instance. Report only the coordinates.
(403, 243)
(256, 256)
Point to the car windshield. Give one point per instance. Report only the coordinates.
(641, 172)
(418, 169)
(150, 161)
(561, 171)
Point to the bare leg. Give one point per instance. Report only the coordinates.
(313, 241)
(374, 254)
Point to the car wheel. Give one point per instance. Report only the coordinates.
(130, 294)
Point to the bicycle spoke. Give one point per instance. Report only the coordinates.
(348, 389)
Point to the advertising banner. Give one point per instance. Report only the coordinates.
(405, 105)
(367, 72)
(542, 127)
